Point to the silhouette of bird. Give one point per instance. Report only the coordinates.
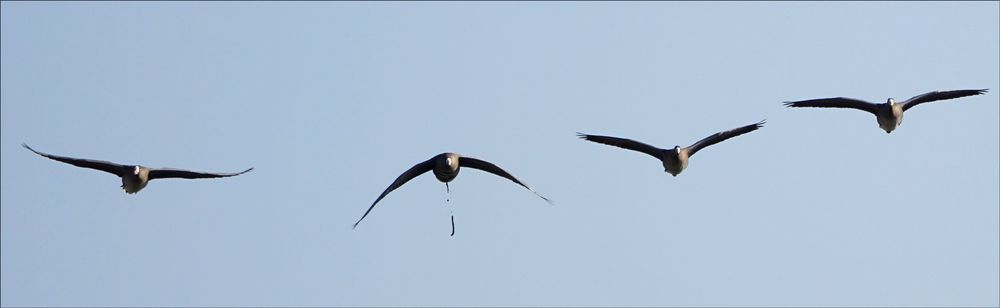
(134, 177)
(890, 114)
(445, 167)
(676, 159)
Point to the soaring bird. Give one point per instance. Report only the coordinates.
(890, 114)
(134, 177)
(676, 159)
(446, 167)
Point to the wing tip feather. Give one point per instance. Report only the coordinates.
(25, 145)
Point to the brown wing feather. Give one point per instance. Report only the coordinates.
(186, 174)
(491, 168)
(628, 144)
(722, 136)
(413, 172)
(836, 102)
(105, 166)
(939, 95)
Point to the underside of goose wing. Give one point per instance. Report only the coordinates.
(627, 144)
(722, 136)
(187, 174)
(413, 172)
(836, 102)
(105, 166)
(939, 95)
(494, 169)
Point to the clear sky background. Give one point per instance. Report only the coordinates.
(330, 102)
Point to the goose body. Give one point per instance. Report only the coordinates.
(446, 167)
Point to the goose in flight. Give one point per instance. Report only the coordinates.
(676, 159)
(134, 177)
(445, 167)
(890, 114)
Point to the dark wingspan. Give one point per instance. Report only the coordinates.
(491, 168)
(624, 143)
(185, 174)
(413, 172)
(836, 102)
(939, 95)
(721, 136)
(105, 166)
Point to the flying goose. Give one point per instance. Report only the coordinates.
(134, 177)
(676, 159)
(446, 167)
(890, 114)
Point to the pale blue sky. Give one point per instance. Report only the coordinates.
(331, 101)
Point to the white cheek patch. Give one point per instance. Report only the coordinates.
(449, 161)
(137, 170)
